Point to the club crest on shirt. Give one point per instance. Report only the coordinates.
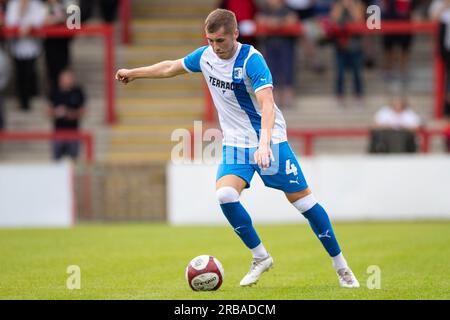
(237, 73)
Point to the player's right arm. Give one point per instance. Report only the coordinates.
(164, 69)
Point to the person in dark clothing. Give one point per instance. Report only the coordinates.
(348, 48)
(108, 9)
(66, 110)
(439, 11)
(57, 50)
(280, 50)
(397, 10)
(245, 11)
(25, 49)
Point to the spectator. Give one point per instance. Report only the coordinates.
(4, 78)
(4, 66)
(397, 10)
(57, 50)
(367, 40)
(397, 115)
(2, 12)
(348, 48)
(108, 9)
(66, 110)
(245, 11)
(440, 11)
(421, 10)
(280, 50)
(25, 14)
(306, 12)
(395, 128)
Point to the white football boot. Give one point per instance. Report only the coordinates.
(346, 278)
(257, 268)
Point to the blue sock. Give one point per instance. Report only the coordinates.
(321, 225)
(241, 222)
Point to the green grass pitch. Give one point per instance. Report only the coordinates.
(147, 261)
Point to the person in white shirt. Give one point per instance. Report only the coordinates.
(25, 15)
(397, 115)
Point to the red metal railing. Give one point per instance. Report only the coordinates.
(309, 136)
(387, 27)
(104, 30)
(125, 17)
(84, 137)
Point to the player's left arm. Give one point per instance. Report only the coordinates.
(264, 154)
(259, 74)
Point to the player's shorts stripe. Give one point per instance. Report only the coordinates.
(240, 90)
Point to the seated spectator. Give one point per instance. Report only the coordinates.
(395, 128)
(245, 11)
(280, 50)
(57, 50)
(25, 14)
(67, 108)
(397, 115)
(348, 48)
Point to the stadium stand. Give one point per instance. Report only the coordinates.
(148, 111)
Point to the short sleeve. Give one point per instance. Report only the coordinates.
(192, 61)
(258, 72)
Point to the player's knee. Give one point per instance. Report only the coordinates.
(305, 203)
(227, 195)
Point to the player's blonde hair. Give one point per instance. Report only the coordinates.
(221, 18)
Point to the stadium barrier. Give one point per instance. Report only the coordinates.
(84, 137)
(351, 188)
(37, 195)
(106, 31)
(310, 135)
(121, 192)
(387, 27)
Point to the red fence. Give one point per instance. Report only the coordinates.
(387, 27)
(309, 136)
(84, 137)
(103, 30)
(125, 17)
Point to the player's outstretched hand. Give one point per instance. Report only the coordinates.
(123, 75)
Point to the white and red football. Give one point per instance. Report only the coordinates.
(204, 273)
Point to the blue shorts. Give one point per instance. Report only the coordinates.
(283, 174)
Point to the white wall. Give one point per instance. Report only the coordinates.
(349, 187)
(38, 195)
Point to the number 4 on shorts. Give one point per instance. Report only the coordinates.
(290, 168)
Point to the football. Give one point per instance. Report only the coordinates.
(204, 273)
